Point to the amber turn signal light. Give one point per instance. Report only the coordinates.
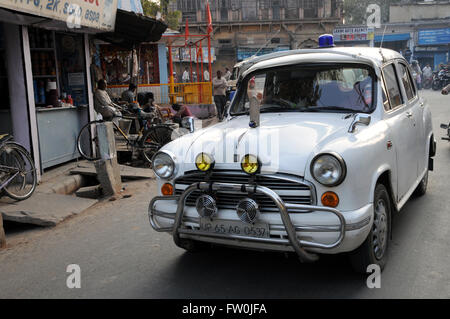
(330, 199)
(167, 189)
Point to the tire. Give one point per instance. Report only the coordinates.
(421, 189)
(86, 138)
(372, 251)
(153, 139)
(23, 185)
(436, 85)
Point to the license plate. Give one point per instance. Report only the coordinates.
(231, 227)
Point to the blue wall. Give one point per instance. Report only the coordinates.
(163, 73)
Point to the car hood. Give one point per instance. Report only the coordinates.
(284, 142)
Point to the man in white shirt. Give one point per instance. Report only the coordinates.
(185, 76)
(219, 91)
(103, 103)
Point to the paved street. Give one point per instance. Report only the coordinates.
(122, 257)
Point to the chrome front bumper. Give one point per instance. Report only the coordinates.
(298, 245)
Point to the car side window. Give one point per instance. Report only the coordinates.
(407, 82)
(392, 86)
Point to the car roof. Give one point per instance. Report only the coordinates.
(367, 55)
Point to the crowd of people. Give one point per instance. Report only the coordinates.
(422, 75)
(143, 104)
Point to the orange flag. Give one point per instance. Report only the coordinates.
(186, 32)
(208, 18)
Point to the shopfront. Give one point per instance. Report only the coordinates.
(45, 74)
(396, 41)
(433, 47)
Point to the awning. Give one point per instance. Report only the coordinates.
(393, 37)
(132, 29)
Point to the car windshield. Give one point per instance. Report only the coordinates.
(309, 88)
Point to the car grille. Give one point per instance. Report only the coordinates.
(291, 189)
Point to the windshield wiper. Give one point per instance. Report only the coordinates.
(330, 108)
(277, 109)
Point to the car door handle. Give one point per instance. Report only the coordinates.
(408, 114)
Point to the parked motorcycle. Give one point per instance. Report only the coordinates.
(441, 79)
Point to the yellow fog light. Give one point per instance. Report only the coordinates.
(204, 162)
(250, 164)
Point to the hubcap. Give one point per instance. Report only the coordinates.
(379, 229)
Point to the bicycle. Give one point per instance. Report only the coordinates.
(148, 141)
(17, 171)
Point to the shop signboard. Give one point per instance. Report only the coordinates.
(434, 36)
(96, 14)
(353, 34)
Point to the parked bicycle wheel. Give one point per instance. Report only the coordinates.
(155, 137)
(17, 171)
(87, 141)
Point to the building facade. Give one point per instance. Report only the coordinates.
(242, 28)
(420, 30)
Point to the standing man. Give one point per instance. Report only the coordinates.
(185, 77)
(103, 103)
(227, 75)
(219, 88)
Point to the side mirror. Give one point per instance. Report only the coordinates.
(188, 123)
(362, 120)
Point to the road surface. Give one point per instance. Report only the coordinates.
(120, 256)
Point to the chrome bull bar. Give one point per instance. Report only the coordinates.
(249, 189)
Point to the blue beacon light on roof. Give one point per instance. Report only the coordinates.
(326, 41)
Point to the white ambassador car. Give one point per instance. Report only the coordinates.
(320, 148)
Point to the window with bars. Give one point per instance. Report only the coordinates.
(249, 11)
(310, 8)
(291, 9)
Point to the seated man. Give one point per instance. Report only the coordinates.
(103, 103)
(129, 96)
(182, 111)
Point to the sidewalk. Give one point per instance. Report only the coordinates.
(54, 199)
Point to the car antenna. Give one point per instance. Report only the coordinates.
(381, 44)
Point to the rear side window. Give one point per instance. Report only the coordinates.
(392, 86)
(407, 81)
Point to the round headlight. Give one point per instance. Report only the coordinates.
(250, 164)
(328, 169)
(163, 165)
(204, 162)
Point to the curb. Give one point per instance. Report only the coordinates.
(70, 184)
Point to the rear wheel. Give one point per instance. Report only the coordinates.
(375, 247)
(153, 139)
(16, 165)
(87, 141)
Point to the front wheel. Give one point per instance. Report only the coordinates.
(436, 85)
(16, 165)
(374, 249)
